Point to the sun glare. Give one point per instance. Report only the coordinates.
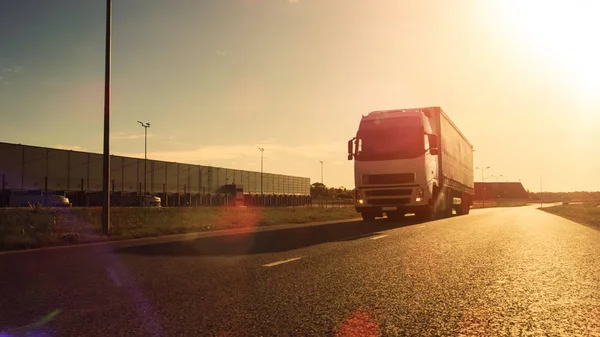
(566, 34)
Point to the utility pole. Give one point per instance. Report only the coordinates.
(320, 161)
(262, 150)
(146, 126)
(541, 200)
(482, 185)
(106, 153)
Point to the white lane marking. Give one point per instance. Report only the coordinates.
(420, 226)
(378, 237)
(273, 264)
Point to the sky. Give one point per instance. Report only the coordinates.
(217, 79)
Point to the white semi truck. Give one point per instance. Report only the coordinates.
(411, 161)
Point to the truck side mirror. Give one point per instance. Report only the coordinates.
(433, 144)
(349, 156)
(350, 148)
(433, 140)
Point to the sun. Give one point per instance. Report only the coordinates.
(564, 33)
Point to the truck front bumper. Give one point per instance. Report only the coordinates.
(399, 198)
(383, 209)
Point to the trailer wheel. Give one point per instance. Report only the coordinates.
(466, 209)
(367, 216)
(465, 204)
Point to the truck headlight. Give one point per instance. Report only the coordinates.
(360, 201)
(420, 194)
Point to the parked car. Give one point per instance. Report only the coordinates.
(46, 200)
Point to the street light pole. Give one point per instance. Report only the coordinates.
(106, 150)
(541, 190)
(482, 185)
(262, 150)
(482, 169)
(146, 126)
(320, 161)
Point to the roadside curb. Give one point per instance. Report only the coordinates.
(179, 237)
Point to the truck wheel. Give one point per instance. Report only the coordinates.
(446, 204)
(367, 216)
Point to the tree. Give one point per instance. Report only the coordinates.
(318, 191)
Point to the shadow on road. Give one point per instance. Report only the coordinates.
(270, 241)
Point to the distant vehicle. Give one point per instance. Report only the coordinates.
(132, 200)
(48, 200)
(151, 201)
(411, 161)
(234, 194)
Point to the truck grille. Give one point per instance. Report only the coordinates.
(386, 193)
(391, 201)
(380, 179)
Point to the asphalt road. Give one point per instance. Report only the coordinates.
(511, 271)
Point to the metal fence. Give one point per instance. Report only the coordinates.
(332, 203)
(54, 170)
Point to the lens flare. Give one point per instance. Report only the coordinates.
(361, 323)
(247, 218)
(33, 329)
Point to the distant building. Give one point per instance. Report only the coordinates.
(500, 190)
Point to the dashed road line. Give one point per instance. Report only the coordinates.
(378, 237)
(273, 264)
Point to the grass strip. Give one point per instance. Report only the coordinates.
(26, 228)
(586, 214)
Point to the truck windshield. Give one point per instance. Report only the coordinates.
(387, 143)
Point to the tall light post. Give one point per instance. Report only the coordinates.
(482, 169)
(496, 177)
(106, 152)
(541, 190)
(320, 161)
(145, 126)
(262, 150)
(482, 185)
